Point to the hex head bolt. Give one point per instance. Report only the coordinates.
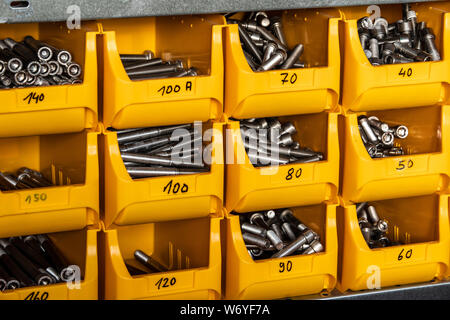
(148, 133)
(275, 240)
(293, 57)
(26, 54)
(146, 144)
(13, 62)
(360, 207)
(20, 78)
(35, 255)
(54, 68)
(249, 44)
(270, 49)
(146, 172)
(258, 220)
(314, 247)
(143, 64)
(401, 132)
(12, 180)
(387, 139)
(147, 55)
(14, 269)
(40, 278)
(364, 23)
(45, 69)
(306, 237)
(382, 226)
(412, 53)
(270, 214)
(261, 242)
(288, 230)
(73, 70)
(373, 47)
(370, 134)
(288, 216)
(166, 68)
(265, 159)
(375, 122)
(42, 50)
(159, 161)
(411, 16)
(372, 215)
(275, 227)
(428, 38)
(262, 19)
(420, 26)
(35, 176)
(254, 229)
(149, 262)
(7, 282)
(366, 230)
(277, 28)
(56, 258)
(364, 39)
(275, 60)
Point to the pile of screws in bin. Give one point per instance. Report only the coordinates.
(264, 43)
(373, 228)
(146, 66)
(378, 137)
(269, 142)
(25, 178)
(277, 234)
(150, 264)
(32, 261)
(162, 151)
(404, 41)
(35, 63)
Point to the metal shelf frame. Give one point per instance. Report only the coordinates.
(439, 290)
(12, 11)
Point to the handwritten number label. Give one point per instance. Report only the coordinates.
(175, 188)
(165, 282)
(405, 72)
(36, 197)
(404, 164)
(34, 96)
(36, 295)
(171, 89)
(285, 267)
(292, 173)
(407, 255)
(289, 78)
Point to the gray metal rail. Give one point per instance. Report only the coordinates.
(12, 11)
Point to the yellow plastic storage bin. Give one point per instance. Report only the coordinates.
(250, 188)
(251, 94)
(129, 201)
(197, 40)
(267, 279)
(72, 206)
(424, 220)
(189, 248)
(366, 87)
(424, 170)
(63, 108)
(79, 247)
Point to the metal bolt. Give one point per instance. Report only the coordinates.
(149, 262)
(306, 237)
(256, 240)
(428, 38)
(254, 229)
(314, 247)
